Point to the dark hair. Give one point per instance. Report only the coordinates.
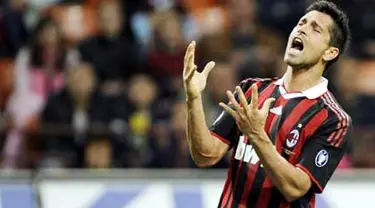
(35, 47)
(340, 32)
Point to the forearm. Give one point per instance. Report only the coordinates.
(290, 181)
(198, 134)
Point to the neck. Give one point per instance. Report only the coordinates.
(81, 102)
(302, 79)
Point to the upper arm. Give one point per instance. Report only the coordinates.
(323, 152)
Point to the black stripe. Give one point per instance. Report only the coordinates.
(260, 174)
(221, 198)
(233, 175)
(304, 201)
(240, 185)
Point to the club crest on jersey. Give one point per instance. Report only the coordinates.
(321, 158)
(292, 138)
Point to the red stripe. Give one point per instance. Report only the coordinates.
(285, 204)
(220, 137)
(265, 193)
(311, 176)
(312, 201)
(249, 91)
(340, 137)
(310, 129)
(251, 173)
(326, 102)
(344, 121)
(294, 116)
(226, 191)
(316, 122)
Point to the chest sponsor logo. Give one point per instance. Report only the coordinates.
(246, 152)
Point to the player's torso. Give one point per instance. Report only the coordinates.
(291, 121)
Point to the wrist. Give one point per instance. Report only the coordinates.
(191, 98)
(260, 136)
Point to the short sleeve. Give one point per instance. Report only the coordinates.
(225, 127)
(323, 152)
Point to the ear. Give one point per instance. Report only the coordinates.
(330, 54)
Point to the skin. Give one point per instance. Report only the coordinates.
(304, 71)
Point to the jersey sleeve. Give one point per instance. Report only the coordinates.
(225, 127)
(323, 151)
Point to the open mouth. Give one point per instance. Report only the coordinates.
(297, 44)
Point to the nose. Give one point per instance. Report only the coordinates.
(301, 31)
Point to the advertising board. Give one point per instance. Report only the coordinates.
(180, 194)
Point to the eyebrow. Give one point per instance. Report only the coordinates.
(315, 24)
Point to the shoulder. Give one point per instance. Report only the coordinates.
(246, 83)
(338, 120)
(336, 112)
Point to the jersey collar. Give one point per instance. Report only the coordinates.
(312, 93)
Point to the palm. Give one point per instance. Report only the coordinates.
(194, 82)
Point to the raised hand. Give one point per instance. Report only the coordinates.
(194, 82)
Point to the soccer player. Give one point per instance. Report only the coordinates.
(288, 134)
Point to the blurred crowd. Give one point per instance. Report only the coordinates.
(98, 83)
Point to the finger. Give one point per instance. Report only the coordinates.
(189, 68)
(267, 105)
(208, 68)
(233, 101)
(229, 110)
(192, 53)
(187, 52)
(241, 97)
(254, 97)
(191, 73)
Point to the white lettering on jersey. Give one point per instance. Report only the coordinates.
(246, 152)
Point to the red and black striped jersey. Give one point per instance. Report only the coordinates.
(309, 129)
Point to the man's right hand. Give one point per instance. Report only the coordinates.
(194, 82)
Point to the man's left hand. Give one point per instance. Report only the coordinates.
(249, 118)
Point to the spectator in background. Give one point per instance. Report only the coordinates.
(39, 71)
(166, 53)
(114, 57)
(13, 32)
(254, 46)
(40, 66)
(72, 123)
(223, 77)
(142, 94)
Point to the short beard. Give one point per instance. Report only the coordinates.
(302, 66)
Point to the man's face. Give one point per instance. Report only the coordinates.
(110, 18)
(81, 80)
(309, 40)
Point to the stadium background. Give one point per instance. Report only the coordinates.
(119, 140)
